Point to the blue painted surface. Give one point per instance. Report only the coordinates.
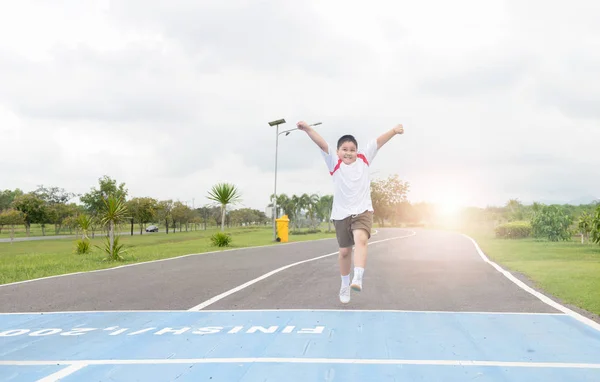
(26, 373)
(311, 372)
(317, 334)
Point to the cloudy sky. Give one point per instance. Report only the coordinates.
(499, 99)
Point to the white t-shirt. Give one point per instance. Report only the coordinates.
(352, 183)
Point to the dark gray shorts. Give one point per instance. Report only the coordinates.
(344, 228)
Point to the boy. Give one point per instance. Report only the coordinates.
(352, 211)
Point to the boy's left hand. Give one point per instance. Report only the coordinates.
(399, 129)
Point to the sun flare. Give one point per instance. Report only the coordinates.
(450, 203)
(449, 208)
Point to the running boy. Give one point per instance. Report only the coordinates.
(352, 212)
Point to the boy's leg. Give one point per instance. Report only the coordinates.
(361, 237)
(345, 241)
(345, 261)
(361, 230)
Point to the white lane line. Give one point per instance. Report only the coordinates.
(356, 361)
(537, 294)
(74, 366)
(254, 281)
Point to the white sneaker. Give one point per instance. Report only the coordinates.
(356, 284)
(345, 294)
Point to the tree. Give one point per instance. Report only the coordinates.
(324, 206)
(33, 209)
(596, 226)
(312, 209)
(58, 213)
(204, 213)
(224, 194)
(53, 195)
(11, 217)
(164, 212)
(585, 226)
(94, 200)
(114, 212)
(56, 208)
(247, 216)
(406, 213)
(515, 210)
(283, 203)
(386, 195)
(180, 214)
(143, 210)
(299, 203)
(7, 197)
(553, 223)
(84, 222)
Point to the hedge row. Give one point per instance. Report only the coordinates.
(514, 230)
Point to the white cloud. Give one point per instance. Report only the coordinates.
(498, 98)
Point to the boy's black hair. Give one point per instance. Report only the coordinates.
(346, 138)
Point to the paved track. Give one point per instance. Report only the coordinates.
(437, 271)
(432, 309)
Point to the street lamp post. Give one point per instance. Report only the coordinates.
(276, 124)
(277, 133)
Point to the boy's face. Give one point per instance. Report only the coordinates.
(347, 152)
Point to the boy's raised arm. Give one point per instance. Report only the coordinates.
(313, 135)
(383, 138)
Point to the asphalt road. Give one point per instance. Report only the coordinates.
(429, 271)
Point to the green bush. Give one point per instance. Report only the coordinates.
(309, 231)
(552, 223)
(83, 247)
(118, 250)
(221, 239)
(514, 230)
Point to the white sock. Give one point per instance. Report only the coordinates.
(358, 272)
(346, 280)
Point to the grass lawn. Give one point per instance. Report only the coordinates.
(567, 270)
(33, 259)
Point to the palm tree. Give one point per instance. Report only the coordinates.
(515, 209)
(324, 206)
(85, 223)
(224, 194)
(115, 212)
(585, 225)
(299, 203)
(311, 208)
(283, 203)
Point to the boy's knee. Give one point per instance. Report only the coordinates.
(361, 237)
(345, 252)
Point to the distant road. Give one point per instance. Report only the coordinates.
(56, 237)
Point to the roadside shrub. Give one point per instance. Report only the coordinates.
(514, 230)
(83, 247)
(552, 223)
(118, 250)
(309, 231)
(221, 239)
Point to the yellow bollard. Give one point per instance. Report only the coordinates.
(282, 228)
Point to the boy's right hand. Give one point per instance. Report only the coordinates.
(302, 126)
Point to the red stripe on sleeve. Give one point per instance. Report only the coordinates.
(337, 166)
